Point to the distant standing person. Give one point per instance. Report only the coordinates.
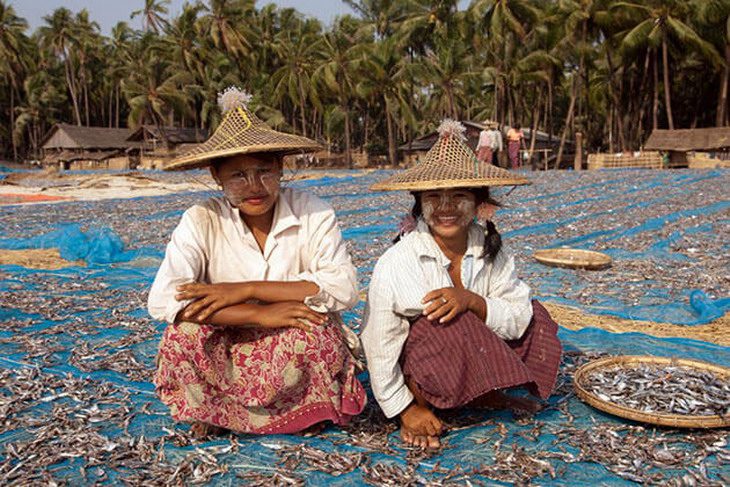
(515, 136)
(490, 143)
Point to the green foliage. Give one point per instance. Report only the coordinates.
(375, 79)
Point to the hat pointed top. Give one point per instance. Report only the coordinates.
(240, 132)
(450, 163)
(233, 97)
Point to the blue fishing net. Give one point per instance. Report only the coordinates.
(86, 324)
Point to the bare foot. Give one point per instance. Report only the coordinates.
(419, 441)
(201, 430)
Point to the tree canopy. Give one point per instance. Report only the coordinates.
(613, 70)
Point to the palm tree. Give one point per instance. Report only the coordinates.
(507, 23)
(226, 24)
(12, 56)
(657, 25)
(338, 72)
(153, 91)
(87, 43)
(387, 76)
(118, 67)
(715, 15)
(298, 52)
(59, 38)
(152, 15)
(38, 109)
(380, 17)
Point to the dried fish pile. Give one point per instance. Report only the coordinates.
(91, 324)
(332, 463)
(662, 389)
(644, 455)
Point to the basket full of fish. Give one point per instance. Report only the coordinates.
(680, 393)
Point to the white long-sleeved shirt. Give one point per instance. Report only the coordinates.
(212, 244)
(404, 274)
(490, 138)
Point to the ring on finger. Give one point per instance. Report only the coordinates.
(443, 299)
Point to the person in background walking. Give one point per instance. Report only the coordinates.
(515, 139)
(490, 143)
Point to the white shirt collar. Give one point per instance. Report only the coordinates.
(284, 217)
(425, 245)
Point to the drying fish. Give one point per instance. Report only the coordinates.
(662, 389)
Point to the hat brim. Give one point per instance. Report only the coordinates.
(446, 184)
(256, 140)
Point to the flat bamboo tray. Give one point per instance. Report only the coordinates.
(673, 420)
(573, 258)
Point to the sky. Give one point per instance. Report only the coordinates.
(108, 12)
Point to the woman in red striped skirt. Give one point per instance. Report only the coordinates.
(448, 322)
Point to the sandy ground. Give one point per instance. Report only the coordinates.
(43, 187)
(53, 187)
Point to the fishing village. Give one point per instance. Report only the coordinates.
(155, 157)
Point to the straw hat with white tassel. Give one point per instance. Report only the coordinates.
(240, 132)
(450, 163)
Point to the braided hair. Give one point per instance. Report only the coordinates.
(492, 238)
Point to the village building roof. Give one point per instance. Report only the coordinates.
(67, 136)
(683, 140)
(172, 135)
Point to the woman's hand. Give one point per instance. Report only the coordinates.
(289, 314)
(446, 303)
(209, 298)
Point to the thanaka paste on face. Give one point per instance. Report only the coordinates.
(238, 189)
(465, 208)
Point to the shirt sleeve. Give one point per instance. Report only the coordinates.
(329, 266)
(383, 335)
(483, 139)
(184, 262)
(509, 308)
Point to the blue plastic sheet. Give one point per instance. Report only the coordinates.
(121, 261)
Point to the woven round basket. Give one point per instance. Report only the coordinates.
(573, 258)
(629, 361)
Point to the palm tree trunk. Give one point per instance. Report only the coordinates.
(533, 133)
(301, 108)
(391, 135)
(568, 119)
(721, 118)
(655, 105)
(366, 127)
(116, 95)
(12, 117)
(667, 93)
(86, 101)
(71, 88)
(640, 122)
(348, 154)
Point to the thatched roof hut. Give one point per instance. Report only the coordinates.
(75, 147)
(73, 137)
(713, 140)
(685, 140)
(170, 136)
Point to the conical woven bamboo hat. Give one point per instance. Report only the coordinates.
(240, 132)
(450, 163)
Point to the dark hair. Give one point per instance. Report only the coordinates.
(492, 238)
(517, 126)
